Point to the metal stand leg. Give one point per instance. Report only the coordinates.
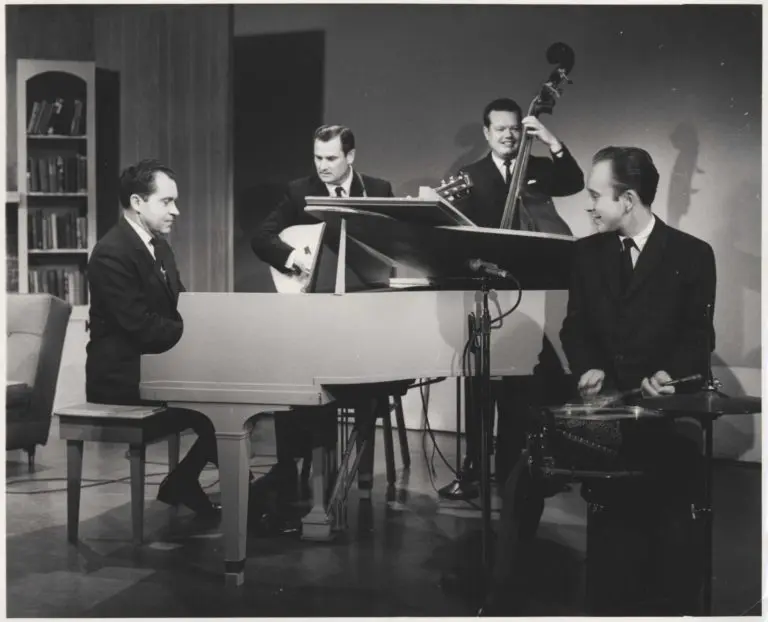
(486, 410)
(708, 526)
(458, 423)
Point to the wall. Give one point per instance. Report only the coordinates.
(683, 82)
(174, 66)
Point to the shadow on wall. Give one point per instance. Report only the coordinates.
(735, 435)
(470, 140)
(736, 246)
(686, 140)
(737, 251)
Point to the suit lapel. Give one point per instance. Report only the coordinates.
(317, 188)
(610, 260)
(356, 187)
(142, 251)
(649, 258)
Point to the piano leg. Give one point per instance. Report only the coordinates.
(317, 524)
(234, 455)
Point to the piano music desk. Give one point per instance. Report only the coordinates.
(136, 425)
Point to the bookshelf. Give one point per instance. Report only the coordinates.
(55, 223)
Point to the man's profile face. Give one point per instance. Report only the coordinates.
(607, 211)
(331, 163)
(503, 133)
(158, 211)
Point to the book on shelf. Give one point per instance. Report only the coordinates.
(57, 174)
(60, 117)
(47, 230)
(11, 263)
(66, 283)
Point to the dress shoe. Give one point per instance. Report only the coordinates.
(279, 483)
(464, 488)
(191, 495)
(269, 524)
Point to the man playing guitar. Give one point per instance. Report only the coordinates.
(289, 240)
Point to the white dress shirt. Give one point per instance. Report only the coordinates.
(345, 185)
(499, 162)
(640, 240)
(145, 236)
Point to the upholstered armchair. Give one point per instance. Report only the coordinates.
(37, 326)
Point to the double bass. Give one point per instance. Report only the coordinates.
(536, 211)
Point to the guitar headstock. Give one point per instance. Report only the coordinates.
(456, 187)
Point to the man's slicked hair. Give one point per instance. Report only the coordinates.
(140, 179)
(633, 169)
(325, 133)
(503, 104)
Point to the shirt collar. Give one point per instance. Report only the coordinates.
(641, 238)
(347, 185)
(143, 234)
(499, 162)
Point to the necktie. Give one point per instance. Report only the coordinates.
(159, 261)
(507, 172)
(626, 262)
(339, 191)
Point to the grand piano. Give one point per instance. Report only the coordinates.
(243, 354)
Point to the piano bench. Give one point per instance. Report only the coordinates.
(138, 426)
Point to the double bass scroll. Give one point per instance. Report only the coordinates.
(520, 202)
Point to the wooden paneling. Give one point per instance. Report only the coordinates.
(44, 32)
(175, 97)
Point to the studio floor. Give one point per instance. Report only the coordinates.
(388, 563)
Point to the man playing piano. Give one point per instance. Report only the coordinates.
(556, 176)
(639, 314)
(134, 286)
(299, 431)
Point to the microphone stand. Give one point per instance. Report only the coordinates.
(482, 327)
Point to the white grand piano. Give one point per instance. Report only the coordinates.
(247, 353)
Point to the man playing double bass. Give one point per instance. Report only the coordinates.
(556, 176)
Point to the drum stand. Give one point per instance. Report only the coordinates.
(707, 421)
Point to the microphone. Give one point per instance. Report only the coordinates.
(489, 269)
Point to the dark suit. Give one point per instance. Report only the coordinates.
(643, 551)
(290, 211)
(660, 323)
(133, 312)
(299, 430)
(559, 176)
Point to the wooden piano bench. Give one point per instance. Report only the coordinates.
(138, 426)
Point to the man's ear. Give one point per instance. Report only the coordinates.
(135, 201)
(630, 200)
(351, 156)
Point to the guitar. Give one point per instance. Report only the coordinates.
(307, 239)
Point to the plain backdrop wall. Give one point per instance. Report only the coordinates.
(683, 82)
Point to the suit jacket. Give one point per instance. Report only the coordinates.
(133, 311)
(557, 177)
(660, 323)
(290, 211)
